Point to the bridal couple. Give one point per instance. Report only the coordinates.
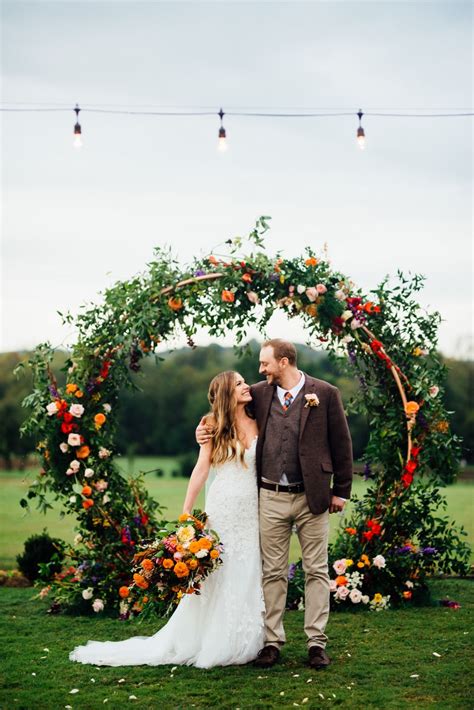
(271, 450)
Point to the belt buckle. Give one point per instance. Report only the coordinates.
(277, 487)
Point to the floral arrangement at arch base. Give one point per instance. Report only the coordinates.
(385, 341)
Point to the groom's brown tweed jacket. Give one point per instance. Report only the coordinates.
(325, 447)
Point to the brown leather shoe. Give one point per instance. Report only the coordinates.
(318, 658)
(267, 657)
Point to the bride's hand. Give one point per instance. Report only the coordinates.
(203, 432)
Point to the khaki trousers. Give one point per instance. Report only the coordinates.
(278, 512)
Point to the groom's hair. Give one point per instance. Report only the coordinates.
(282, 348)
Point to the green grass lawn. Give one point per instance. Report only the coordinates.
(16, 524)
(415, 658)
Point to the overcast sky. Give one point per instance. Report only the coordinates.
(76, 221)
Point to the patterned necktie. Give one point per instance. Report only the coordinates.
(288, 401)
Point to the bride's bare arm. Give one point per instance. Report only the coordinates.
(198, 477)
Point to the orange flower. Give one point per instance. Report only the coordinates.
(145, 599)
(192, 564)
(227, 296)
(312, 310)
(79, 393)
(351, 531)
(442, 426)
(190, 590)
(212, 260)
(83, 452)
(194, 547)
(100, 419)
(175, 303)
(87, 503)
(179, 548)
(407, 595)
(341, 580)
(71, 388)
(247, 278)
(205, 544)
(181, 569)
(124, 592)
(185, 516)
(311, 261)
(147, 564)
(86, 491)
(411, 407)
(213, 554)
(140, 581)
(167, 563)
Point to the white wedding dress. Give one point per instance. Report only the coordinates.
(224, 624)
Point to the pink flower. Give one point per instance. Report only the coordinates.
(104, 453)
(107, 408)
(178, 555)
(340, 295)
(342, 592)
(321, 288)
(44, 592)
(101, 485)
(379, 561)
(433, 391)
(355, 324)
(98, 605)
(253, 297)
(312, 293)
(64, 447)
(339, 567)
(77, 410)
(74, 440)
(52, 408)
(75, 466)
(355, 596)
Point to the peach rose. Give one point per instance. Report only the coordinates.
(124, 592)
(227, 296)
(83, 452)
(412, 408)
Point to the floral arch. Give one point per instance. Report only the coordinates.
(386, 340)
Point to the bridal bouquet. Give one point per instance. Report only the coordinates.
(176, 563)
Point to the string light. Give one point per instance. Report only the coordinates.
(77, 130)
(360, 131)
(222, 145)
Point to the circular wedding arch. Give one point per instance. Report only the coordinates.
(385, 339)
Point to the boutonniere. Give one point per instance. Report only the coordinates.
(312, 400)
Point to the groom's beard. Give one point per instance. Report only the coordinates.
(273, 379)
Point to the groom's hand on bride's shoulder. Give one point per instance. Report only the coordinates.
(203, 432)
(337, 504)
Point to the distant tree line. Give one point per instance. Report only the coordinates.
(160, 417)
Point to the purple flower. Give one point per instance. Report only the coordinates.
(291, 571)
(367, 472)
(403, 550)
(429, 551)
(54, 392)
(450, 603)
(274, 277)
(137, 520)
(352, 356)
(199, 272)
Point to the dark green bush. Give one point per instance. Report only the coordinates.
(40, 549)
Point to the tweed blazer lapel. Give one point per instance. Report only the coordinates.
(262, 411)
(309, 388)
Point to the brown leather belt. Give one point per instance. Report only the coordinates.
(280, 488)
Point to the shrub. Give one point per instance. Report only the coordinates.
(40, 549)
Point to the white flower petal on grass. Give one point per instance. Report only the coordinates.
(438, 655)
(46, 649)
(321, 695)
(132, 697)
(105, 700)
(92, 680)
(33, 674)
(282, 692)
(414, 675)
(122, 680)
(175, 668)
(310, 680)
(305, 700)
(73, 691)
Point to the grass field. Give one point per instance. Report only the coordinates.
(16, 524)
(415, 658)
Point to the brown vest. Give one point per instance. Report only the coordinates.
(280, 449)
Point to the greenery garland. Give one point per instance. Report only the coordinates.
(387, 341)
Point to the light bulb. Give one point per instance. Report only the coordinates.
(77, 140)
(361, 138)
(222, 143)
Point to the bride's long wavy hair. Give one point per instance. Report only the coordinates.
(223, 401)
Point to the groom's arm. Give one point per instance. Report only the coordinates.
(340, 444)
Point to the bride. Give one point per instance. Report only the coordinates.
(223, 625)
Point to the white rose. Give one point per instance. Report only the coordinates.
(104, 453)
(340, 295)
(201, 553)
(89, 472)
(74, 440)
(355, 324)
(77, 538)
(64, 447)
(301, 289)
(365, 599)
(51, 409)
(355, 596)
(433, 391)
(379, 561)
(72, 499)
(75, 466)
(77, 410)
(107, 408)
(347, 339)
(98, 605)
(106, 498)
(346, 315)
(409, 584)
(88, 593)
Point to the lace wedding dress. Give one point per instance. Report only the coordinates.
(224, 624)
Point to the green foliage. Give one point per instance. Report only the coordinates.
(41, 550)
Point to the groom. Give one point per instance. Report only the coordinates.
(304, 441)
